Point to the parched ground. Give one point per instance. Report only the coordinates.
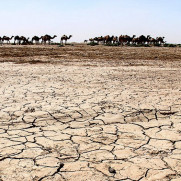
(81, 113)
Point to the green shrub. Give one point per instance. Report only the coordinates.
(60, 45)
(138, 45)
(54, 43)
(169, 45)
(157, 45)
(92, 43)
(112, 44)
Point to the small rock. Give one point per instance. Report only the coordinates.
(112, 170)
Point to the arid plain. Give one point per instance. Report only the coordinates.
(82, 113)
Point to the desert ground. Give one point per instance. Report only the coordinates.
(82, 113)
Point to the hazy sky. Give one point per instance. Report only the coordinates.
(89, 18)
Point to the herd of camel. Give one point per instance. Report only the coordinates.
(125, 39)
(121, 40)
(21, 40)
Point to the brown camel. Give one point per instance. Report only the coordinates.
(36, 39)
(123, 39)
(65, 37)
(115, 39)
(6, 38)
(135, 40)
(47, 38)
(153, 41)
(91, 40)
(108, 39)
(99, 39)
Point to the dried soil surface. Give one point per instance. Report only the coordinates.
(81, 113)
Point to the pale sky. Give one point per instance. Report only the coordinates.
(89, 18)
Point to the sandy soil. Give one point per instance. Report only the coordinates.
(81, 113)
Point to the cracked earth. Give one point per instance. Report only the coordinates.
(94, 122)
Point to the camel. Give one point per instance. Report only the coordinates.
(85, 41)
(18, 39)
(6, 38)
(143, 39)
(47, 38)
(99, 39)
(36, 39)
(135, 40)
(108, 39)
(123, 39)
(1, 41)
(153, 41)
(91, 39)
(22, 39)
(130, 39)
(115, 39)
(26, 41)
(65, 37)
(160, 40)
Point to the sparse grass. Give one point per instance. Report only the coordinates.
(170, 45)
(138, 45)
(157, 45)
(54, 43)
(112, 44)
(92, 44)
(60, 45)
(70, 44)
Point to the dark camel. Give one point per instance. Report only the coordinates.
(160, 40)
(143, 39)
(65, 37)
(18, 39)
(99, 39)
(47, 38)
(26, 41)
(1, 41)
(21, 40)
(6, 38)
(130, 39)
(36, 39)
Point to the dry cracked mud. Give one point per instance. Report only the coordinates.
(94, 121)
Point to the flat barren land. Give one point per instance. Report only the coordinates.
(81, 113)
